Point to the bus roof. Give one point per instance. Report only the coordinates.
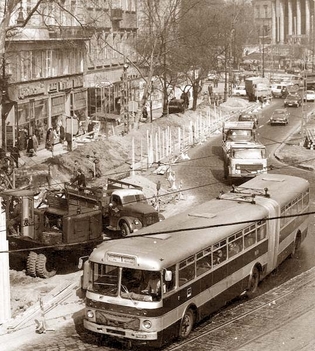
(282, 188)
(161, 245)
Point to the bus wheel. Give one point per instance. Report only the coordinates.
(186, 324)
(125, 231)
(41, 269)
(253, 283)
(31, 264)
(296, 246)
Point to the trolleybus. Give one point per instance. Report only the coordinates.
(201, 258)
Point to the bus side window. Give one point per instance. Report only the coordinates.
(250, 239)
(203, 265)
(219, 255)
(186, 274)
(261, 233)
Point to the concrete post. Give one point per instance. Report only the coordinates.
(5, 303)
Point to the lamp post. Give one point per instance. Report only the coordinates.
(151, 98)
(124, 99)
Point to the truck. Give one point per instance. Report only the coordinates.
(72, 220)
(245, 160)
(243, 155)
(258, 88)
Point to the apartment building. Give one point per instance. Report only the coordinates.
(65, 63)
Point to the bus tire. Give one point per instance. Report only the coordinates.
(186, 324)
(31, 264)
(253, 283)
(296, 246)
(41, 269)
(124, 229)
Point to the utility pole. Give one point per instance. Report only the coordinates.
(5, 300)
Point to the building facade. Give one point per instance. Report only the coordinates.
(286, 21)
(66, 62)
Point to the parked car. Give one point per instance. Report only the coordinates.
(239, 90)
(293, 100)
(279, 116)
(248, 117)
(309, 95)
(176, 105)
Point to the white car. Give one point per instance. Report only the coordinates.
(239, 91)
(309, 95)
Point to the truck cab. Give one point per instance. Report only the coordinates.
(245, 160)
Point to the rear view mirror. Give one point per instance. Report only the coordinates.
(168, 276)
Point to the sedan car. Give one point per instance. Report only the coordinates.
(309, 95)
(239, 91)
(293, 100)
(279, 116)
(176, 105)
(248, 117)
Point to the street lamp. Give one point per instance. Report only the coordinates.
(151, 98)
(124, 98)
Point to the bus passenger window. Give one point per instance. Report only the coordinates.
(249, 239)
(186, 274)
(261, 233)
(234, 248)
(219, 256)
(203, 265)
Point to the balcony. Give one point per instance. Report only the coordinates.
(69, 32)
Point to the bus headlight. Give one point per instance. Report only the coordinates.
(147, 324)
(90, 314)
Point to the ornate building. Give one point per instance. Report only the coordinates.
(286, 21)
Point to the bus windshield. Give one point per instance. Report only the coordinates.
(133, 284)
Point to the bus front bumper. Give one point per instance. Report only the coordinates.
(119, 332)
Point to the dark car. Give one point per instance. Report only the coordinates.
(248, 117)
(280, 116)
(176, 105)
(293, 100)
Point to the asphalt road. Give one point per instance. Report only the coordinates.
(203, 174)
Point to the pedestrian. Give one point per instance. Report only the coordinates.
(30, 147)
(35, 143)
(69, 141)
(90, 129)
(62, 134)
(49, 140)
(144, 112)
(210, 90)
(80, 180)
(75, 168)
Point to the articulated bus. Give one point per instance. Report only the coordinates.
(202, 258)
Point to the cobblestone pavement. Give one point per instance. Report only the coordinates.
(281, 319)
